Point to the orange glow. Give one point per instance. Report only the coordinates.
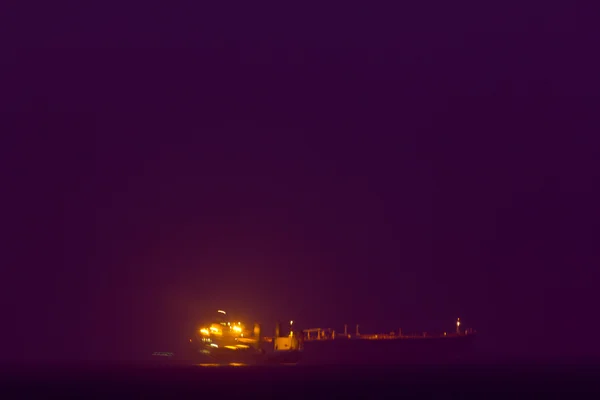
(215, 330)
(204, 331)
(231, 347)
(237, 329)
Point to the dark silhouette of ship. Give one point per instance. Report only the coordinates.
(232, 342)
(381, 349)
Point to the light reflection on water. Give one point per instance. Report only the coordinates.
(222, 365)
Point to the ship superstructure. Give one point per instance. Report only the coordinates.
(225, 338)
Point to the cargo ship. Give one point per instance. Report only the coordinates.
(223, 341)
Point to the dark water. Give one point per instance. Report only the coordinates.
(576, 380)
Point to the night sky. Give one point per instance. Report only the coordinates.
(393, 168)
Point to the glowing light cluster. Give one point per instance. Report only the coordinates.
(235, 328)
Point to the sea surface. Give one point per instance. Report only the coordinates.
(175, 380)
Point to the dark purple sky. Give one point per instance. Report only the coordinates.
(392, 168)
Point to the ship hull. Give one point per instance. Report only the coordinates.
(205, 354)
(283, 357)
(230, 357)
(400, 351)
(261, 354)
(441, 350)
